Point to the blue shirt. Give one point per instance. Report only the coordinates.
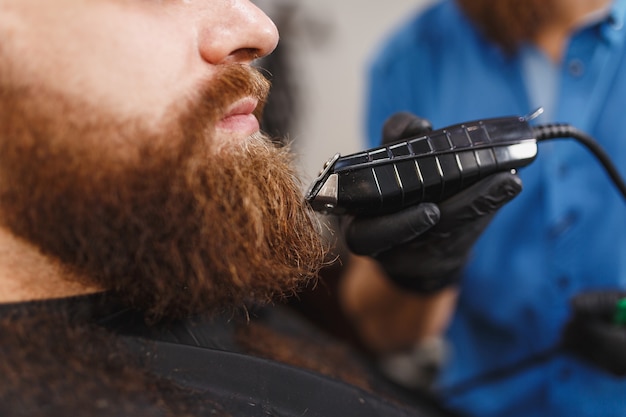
(565, 233)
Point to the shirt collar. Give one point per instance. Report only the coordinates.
(612, 26)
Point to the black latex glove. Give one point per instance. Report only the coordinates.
(423, 248)
(596, 332)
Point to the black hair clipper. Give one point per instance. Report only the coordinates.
(428, 168)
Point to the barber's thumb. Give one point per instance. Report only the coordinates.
(373, 235)
(404, 125)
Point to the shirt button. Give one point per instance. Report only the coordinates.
(563, 224)
(564, 374)
(576, 68)
(563, 282)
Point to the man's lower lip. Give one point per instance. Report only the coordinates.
(246, 124)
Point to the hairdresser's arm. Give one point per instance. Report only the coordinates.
(387, 318)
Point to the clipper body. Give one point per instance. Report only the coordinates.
(428, 168)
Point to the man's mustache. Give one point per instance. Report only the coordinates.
(231, 83)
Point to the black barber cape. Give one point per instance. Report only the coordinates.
(90, 356)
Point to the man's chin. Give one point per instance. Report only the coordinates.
(226, 139)
(235, 232)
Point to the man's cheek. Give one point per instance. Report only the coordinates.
(126, 60)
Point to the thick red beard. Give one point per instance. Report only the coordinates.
(163, 219)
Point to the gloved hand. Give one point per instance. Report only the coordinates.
(596, 331)
(423, 248)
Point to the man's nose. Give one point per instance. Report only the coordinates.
(235, 31)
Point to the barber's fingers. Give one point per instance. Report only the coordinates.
(404, 125)
(600, 303)
(373, 235)
(480, 200)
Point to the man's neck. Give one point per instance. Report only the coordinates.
(26, 274)
(575, 13)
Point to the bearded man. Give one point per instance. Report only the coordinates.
(144, 219)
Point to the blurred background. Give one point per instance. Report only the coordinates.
(318, 71)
